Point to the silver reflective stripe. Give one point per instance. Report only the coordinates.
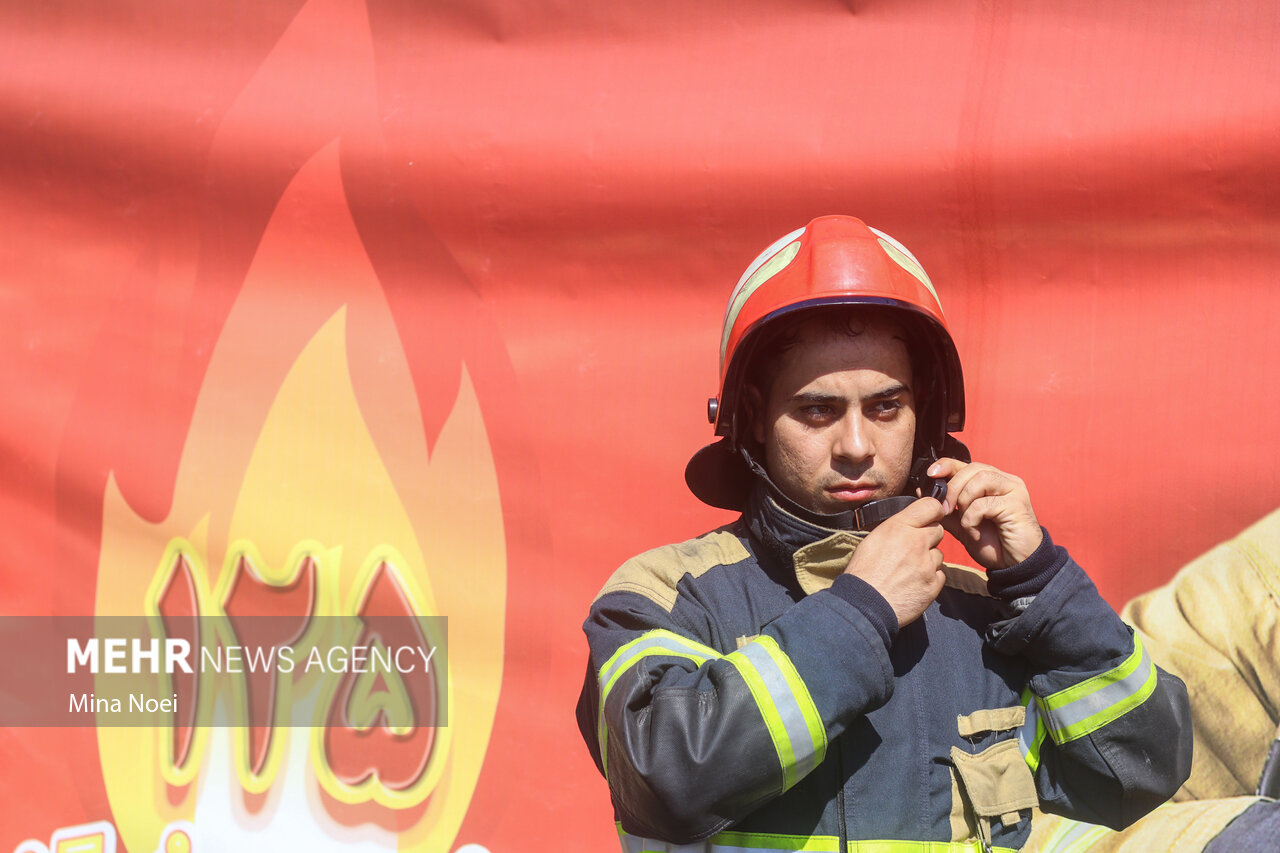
(803, 749)
(1027, 732)
(1071, 720)
(635, 844)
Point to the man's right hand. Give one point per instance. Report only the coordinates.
(900, 558)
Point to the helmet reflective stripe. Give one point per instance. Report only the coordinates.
(903, 257)
(766, 265)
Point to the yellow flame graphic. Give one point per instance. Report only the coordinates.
(312, 477)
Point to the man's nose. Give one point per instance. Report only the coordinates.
(852, 441)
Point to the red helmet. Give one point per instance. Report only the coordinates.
(834, 260)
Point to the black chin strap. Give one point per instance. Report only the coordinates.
(863, 518)
(869, 515)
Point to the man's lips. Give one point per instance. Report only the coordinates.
(852, 492)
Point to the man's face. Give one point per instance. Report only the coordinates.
(838, 425)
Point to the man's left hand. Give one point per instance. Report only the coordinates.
(990, 514)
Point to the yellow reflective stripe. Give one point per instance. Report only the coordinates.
(1088, 706)
(765, 842)
(766, 265)
(1091, 685)
(736, 842)
(789, 714)
(974, 846)
(1032, 733)
(1073, 836)
(655, 643)
(908, 262)
(759, 842)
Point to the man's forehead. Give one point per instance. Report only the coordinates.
(825, 354)
(870, 339)
(848, 324)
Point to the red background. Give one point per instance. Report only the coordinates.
(561, 195)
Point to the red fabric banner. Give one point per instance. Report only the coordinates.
(436, 288)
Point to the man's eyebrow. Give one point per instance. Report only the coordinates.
(886, 393)
(813, 398)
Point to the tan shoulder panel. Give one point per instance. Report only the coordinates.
(654, 574)
(966, 579)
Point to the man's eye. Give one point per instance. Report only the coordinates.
(817, 413)
(886, 407)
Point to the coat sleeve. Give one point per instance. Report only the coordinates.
(1108, 733)
(692, 737)
(1216, 624)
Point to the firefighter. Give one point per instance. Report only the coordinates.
(812, 676)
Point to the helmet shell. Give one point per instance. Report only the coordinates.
(834, 260)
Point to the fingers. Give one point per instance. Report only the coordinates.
(968, 482)
(993, 516)
(902, 561)
(923, 512)
(925, 515)
(952, 525)
(979, 509)
(976, 480)
(946, 467)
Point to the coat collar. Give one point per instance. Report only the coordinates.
(801, 552)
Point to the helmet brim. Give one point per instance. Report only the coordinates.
(719, 476)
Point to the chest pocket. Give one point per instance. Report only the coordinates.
(994, 785)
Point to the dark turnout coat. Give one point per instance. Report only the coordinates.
(744, 694)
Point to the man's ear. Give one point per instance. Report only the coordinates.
(754, 411)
